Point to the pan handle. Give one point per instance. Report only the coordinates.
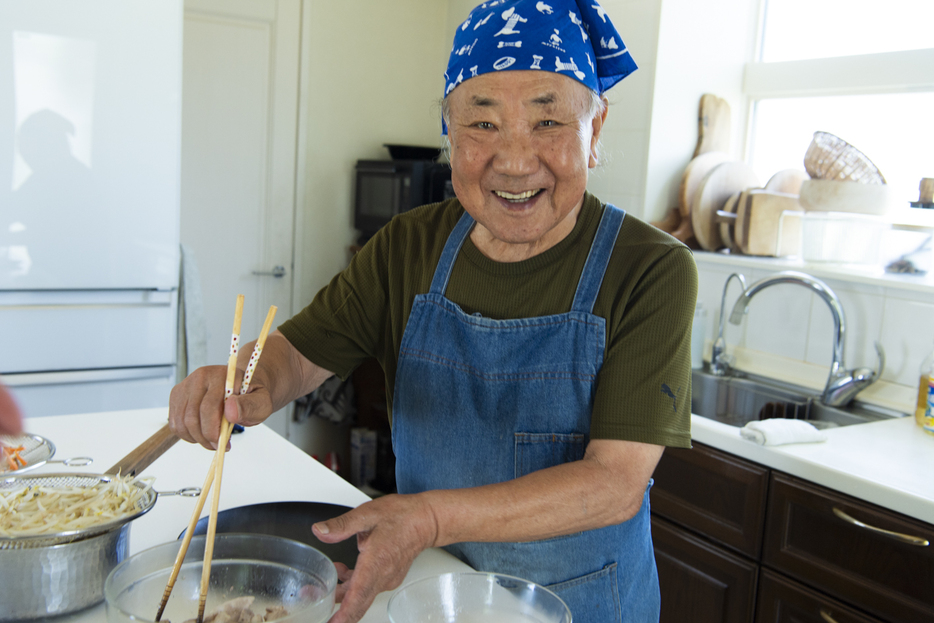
(78, 461)
(144, 454)
(187, 492)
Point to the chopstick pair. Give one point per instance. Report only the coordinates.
(215, 471)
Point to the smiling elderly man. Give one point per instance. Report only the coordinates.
(528, 334)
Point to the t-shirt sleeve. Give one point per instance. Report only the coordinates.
(345, 321)
(644, 388)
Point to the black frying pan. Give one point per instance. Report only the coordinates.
(290, 520)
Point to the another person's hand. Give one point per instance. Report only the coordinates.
(197, 404)
(391, 531)
(11, 419)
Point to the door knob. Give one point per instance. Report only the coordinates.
(277, 271)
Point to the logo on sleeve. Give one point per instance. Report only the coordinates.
(673, 395)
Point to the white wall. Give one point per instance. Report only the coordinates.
(373, 74)
(702, 47)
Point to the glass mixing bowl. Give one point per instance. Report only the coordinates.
(475, 598)
(273, 570)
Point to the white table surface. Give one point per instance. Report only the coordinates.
(261, 467)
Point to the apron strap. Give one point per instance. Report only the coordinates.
(439, 283)
(598, 259)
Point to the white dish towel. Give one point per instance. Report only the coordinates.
(779, 431)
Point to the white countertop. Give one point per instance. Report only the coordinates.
(889, 463)
(261, 467)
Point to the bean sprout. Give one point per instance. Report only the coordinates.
(37, 510)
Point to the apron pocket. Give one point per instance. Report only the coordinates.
(591, 597)
(535, 451)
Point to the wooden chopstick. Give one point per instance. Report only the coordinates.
(226, 429)
(216, 468)
(209, 479)
(186, 541)
(219, 460)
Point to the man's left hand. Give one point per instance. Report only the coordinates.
(391, 531)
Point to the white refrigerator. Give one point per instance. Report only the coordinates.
(90, 145)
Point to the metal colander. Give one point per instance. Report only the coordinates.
(10, 484)
(37, 451)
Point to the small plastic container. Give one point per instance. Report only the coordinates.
(841, 237)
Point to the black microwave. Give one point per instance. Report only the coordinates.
(385, 188)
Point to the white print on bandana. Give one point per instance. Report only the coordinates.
(465, 25)
(483, 21)
(486, 5)
(571, 66)
(609, 45)
(554, 42)
(466, 49)
(503, 63)
(590, 62)
(512, 18)
(543, 8)
(460, 78)
(601, 12)
(620, 53)
(537, 64)
(509, 44)
(579, 24)
(473, 71)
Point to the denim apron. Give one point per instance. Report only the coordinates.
(480, 401)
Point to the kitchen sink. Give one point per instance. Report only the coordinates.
(738, 398)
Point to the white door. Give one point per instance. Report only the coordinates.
(239, 135)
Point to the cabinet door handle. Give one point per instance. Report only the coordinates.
(904, 538)
(827, 616)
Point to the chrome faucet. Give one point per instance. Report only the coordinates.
(842, 384)
(720, 362)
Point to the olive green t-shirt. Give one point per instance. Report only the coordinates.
(643, 391)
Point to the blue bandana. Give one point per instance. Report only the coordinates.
(572, 37)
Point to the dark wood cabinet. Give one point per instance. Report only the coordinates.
(737, 541)
(863, 554)
(701, 582)
(781, 600)
(721, 496)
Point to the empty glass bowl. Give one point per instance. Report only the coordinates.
(475, 598)
(273, 570)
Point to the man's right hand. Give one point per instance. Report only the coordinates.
(197, 404)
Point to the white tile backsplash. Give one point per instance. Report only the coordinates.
(790, 321)
(908, 337)
(777, 320)
(863, 308)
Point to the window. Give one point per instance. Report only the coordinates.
(860, 69)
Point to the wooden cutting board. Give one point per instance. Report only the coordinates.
(713, 125)
(670, 222)
(761, 228)
(727, 223)
(787, 181)
(694, 173)
(717, 186)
